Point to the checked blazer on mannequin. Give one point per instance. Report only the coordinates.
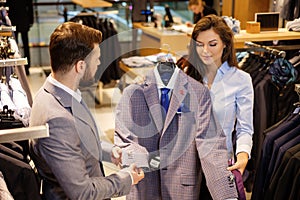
(188, 140)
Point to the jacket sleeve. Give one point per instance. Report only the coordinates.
(62, 152)
(212, 150)
(134, 125)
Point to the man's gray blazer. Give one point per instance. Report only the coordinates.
(189, 141)
(70, 160)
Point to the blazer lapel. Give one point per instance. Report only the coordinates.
(78, 110)
(152, 100)
(82, 113)
(178, 95)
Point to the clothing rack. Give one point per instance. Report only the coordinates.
(19, 134)
(257, 47)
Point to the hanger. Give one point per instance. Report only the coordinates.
(14, 74)
(3, 79)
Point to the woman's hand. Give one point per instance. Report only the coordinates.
(241, 163)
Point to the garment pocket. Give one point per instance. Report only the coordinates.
(187, 179)
(188, 117)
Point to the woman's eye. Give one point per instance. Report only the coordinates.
(213, 44)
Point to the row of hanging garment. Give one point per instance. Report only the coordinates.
(12, 94)
(110, 47)
(273, 78)
(18, 176)
(18, 172)
(4, 18)
(277, 171)
(14, 97)
(277, 175)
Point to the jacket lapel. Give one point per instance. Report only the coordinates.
(79, 112)
(152, 100)
(178, 95)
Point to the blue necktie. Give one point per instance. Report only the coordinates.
(165, 98)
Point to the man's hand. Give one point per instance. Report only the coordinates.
(241, 163)
(116, 156)
(137, 174)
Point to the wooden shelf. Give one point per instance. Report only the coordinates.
(17, 134)
(4, 34)
(153, 39)
(92, 3)
(281, 34)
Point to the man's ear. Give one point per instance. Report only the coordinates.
(80, 66)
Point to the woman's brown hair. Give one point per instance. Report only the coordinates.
(219, 26)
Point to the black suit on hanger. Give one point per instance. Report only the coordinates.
(9, 152)
(288, 184)
(278, 143)
(266, 154)
(274, 181)
(20, 178)
(289, 144)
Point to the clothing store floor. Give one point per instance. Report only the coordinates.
(104, 113)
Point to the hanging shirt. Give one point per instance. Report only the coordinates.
(4, 192)
(19, 98)
(232, 98)
(6, 96)
(171, 83)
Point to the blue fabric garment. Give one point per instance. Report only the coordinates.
(283, 72)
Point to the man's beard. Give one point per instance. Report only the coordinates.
(87, 79)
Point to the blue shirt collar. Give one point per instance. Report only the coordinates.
(224, 68)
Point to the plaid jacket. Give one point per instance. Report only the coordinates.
(188, 141)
